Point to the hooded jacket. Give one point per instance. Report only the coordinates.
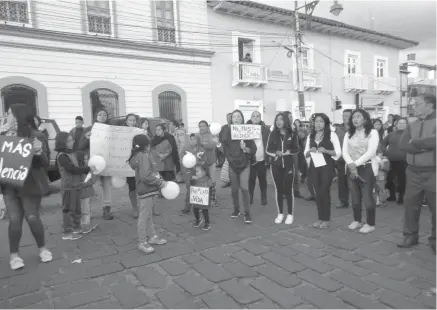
(147, 179)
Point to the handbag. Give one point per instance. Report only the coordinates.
(224, 173)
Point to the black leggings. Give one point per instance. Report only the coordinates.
(284, 181)
(398, 171)
(197, 214)
(321, 179)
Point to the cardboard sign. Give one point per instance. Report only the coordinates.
(245, 132)
(16, 156)
(114, 144)
(199, 195)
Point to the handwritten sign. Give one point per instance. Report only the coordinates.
(114, 144)
(16, 156)
(245, 132)
(199, 195)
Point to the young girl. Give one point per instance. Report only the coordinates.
(86, 192)
(71, 184)
(132, 121)
(202, 179)
(148, 184)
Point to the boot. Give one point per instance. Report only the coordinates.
(134, 202)
(408, 242)
(107, 215)
(392, 196)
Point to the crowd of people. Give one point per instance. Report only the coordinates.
(366, 156)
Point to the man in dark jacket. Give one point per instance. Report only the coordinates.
(419, 141)
(77, 131)
(343, 189)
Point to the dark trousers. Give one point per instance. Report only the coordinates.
(205, 213)
(220, 157)
(303, 167)
(311, 188)
(131, 184)
(258, 170)
(419, 184)
(18, 208)
(168, 175)
(343, 188)
(398, 172)
(71, 211)
(362, 192)
(322, 180)
(284, 182)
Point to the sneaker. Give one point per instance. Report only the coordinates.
(197, 223)
(354, 225)
(279, 219)
(317, 224)
(367, 229)
(146, 248)
(235, 214)
(71, 236)
(247, 219)
(156, 240)
(45, 255)
(206, 227)
(86, 229)
(16, 262)
(289, 220)
(324, 224)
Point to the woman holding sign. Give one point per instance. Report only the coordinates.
(25, 202)
(238, 154)
(323, 148)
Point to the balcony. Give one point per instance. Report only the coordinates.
(249, 74)
(384, 85)
(355, 83)
(312, 80)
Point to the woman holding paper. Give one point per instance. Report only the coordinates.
(359, 152)
(323, 148)
(161, 151)
(282, 145)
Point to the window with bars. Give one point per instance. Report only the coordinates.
(380, 68)
(99, 16)
(165, 21)
(14, 11)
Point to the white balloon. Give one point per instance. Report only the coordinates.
(97, 161)
(189, 160)
(215, 128)
(171, 190)
(118, 182)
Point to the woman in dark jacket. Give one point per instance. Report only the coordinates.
(260, 160)
(398, 161)
(282, 145)
(25, 202)
(100, 116)
(238, 154)
(162, 151)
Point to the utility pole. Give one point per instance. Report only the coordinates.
(299, 75)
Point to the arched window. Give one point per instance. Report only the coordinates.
(106, 98)
(170, 106)
(19, 94)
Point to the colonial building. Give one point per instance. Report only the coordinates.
(66, 57)
(357, 66)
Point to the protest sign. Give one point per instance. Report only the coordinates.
(245, 132)
(114, 144)
(199, 195)
(16, 156)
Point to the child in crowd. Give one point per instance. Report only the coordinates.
(148, 184)
(71, 183)
(381, 179)
(202, 179)
(87, 191)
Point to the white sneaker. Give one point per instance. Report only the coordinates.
(289, 220)
(354, 225)
(279, 218)
(16, 262)
(367, 229)
(45, 255)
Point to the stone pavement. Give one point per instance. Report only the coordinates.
(233, 265)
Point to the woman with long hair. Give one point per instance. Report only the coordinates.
(238, 154)
(282, 145)
(359, 152)
(259, 163)
(296, 185)
(146, 127)
(25, 202)
(161, 149)
(323, 141)
(100, 116)
(378, 126)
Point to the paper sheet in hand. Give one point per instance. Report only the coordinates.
(318, 159)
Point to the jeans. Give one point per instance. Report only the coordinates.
(145, 219)
(71, 210)
(240, 181)
(85, 207)
(362, 191)
(322, 180)
(258, 169)
(106, 186)
(19, 207)
(343, 188)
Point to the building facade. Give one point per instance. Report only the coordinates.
(66, 58)
(357, 66)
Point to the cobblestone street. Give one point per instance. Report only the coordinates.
(233, 265)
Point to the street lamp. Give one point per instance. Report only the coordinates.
(336, 9)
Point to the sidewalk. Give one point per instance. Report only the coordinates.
(233, 265)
